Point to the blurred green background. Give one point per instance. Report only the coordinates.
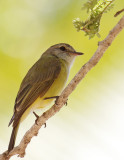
(91, 126)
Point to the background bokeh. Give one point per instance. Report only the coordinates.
(91, 126)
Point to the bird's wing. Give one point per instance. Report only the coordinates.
(36, 83)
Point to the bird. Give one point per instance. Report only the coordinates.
(45, 79)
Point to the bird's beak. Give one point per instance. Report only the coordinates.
(77, 53)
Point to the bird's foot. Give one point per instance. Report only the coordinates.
(37, 117)
(66, 103)
(44, 125)
(54, 97)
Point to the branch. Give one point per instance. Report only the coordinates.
(122, 10)
(33, 131)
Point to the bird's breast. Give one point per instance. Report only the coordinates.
(55, 89)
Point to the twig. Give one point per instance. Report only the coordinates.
(99, 15)
(117, 13)
(33, 131)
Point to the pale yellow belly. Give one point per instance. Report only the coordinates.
(54, 90)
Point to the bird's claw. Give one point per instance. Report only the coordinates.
(44, 125)
(66, 103)
(37, 117)
(54, 97)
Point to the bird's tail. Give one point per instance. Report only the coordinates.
(13, 137)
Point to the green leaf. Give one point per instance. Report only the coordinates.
(89, 5)
(95, 9)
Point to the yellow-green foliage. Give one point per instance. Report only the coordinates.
(95, 8)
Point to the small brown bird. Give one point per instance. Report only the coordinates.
(46, 78)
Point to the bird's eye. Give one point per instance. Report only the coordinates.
(62, 48)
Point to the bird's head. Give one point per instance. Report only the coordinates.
(62, 51)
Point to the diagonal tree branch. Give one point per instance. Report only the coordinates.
(119, 12)
(33, 131)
